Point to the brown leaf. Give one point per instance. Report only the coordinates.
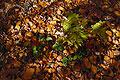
(16, 63)
(28, 73)
(18, 79)
(76, 67)
(87, 63)
(93, 59)
(94, 69)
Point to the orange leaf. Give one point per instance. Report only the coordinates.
(59, 58)
(117, 13)
(109, 33)
(106, 58)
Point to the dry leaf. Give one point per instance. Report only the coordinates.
(26, 21)
(18, 25)
(87, 63)
(61, 8)
(58, 12)
(28, 73)
(59, 58)
(106, 58)
(55, 55)
(117, 13)
(60, 63)
(118, 34)
(93, 59)
(109, 33)
(94, 69)
(51, 70)
(18, 79)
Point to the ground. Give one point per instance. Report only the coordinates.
(30, 31)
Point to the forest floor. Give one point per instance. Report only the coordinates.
(22, 22)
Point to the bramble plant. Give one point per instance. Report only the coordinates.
(76, 32)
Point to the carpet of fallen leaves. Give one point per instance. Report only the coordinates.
(23, 20)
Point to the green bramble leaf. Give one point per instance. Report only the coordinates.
(34, 48)
(48, 38)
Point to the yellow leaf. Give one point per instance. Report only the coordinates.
(60, 63)
(118, 34)
(55, 55)
(61, 8)
(51, 70)
(58, 12)
(17, 25)
(65, 51)
(53, 22)
(106, 58)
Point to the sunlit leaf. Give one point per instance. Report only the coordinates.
(48, 38)
(18, 25)
(34, 48)
(75, 57)
(64, 59)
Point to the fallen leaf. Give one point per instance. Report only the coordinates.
(106, 58)
(94, 69)
(59, 58)
(117, 13)
(77, 67)
(18, 25)
(109, 33)
(118, 34)
(93, 59)
(18, 79)
(28, 73)
(51, 70)
(87, 63)
(58, 12)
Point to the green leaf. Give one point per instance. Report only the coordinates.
(39, 47)
(83, 36)
(23, 54)
(55, 46)
(60, 41)
(36, 54)
(75, 57)
(48, 38)
(60, 48)
(97, 25)
(76, 45)
(1, 47)
(42, 38)
(79, 57)
(69, 57)
(34, 48)
(64, 60)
